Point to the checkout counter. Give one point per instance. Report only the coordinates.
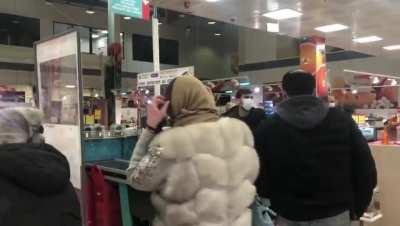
(387, 159)
(110, 151)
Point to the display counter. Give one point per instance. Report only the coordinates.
(387, 158)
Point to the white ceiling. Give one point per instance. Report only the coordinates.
(364, 17)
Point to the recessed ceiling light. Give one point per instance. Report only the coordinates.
(332, 28)
(273, 27)
(211, 22)
(90, 12)
(104, 32)
(367, 39)
(217, 34)
(127, 18)
(392, 47)
(283, 14)
(95, 36)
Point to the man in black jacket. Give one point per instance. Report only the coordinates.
(317, 167)
(34, 177)
(245, 111)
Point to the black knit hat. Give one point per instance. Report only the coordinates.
(298, 82)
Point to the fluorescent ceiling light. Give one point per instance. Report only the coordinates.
(391, 48)
(217, 34)
(127, 18)
(211, 22)
(273, 27)
(332, 28)
(212, 0)
(283, 14)
(104, 32)
(244, 83)
(367, 39)
(89, 11)
(70, 86)
(95, 36)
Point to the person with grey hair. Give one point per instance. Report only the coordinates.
(35, 189)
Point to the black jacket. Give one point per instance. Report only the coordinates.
(35, 188)
(253, 119)
(315, 163)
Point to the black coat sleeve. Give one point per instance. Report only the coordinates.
(364, 173)
(261, 148)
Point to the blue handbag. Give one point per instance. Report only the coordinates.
(261, 212)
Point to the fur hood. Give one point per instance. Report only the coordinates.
(200, 174)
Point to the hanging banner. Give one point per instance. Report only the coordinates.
(313, 60)
(133, 8)
(60, 97)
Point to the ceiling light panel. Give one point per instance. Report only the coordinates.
(282, 14)
(367, 39)
(392, 47)
(332, 28)
(273, 27)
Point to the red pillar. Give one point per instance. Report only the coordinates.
(313, 60)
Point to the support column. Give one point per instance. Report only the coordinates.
(313, 60)
(156, 43)
(156, 48)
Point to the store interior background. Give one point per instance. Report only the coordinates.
(248, 45)
(221, 39)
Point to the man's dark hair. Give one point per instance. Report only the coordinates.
(242, 92)
(298, 82)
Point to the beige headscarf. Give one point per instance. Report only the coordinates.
(191, 102)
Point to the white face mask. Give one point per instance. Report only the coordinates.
(332, 105)
(247, 104)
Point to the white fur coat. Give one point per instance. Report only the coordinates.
(200, 175)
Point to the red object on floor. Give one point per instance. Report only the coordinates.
(103, 205)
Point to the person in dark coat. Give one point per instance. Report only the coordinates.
(34, 177)
(316, 167)
(245, 111)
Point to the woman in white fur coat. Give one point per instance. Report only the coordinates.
(201, 171)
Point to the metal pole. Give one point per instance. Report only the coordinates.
(156, 45)
(156, 49)
(111, 24)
